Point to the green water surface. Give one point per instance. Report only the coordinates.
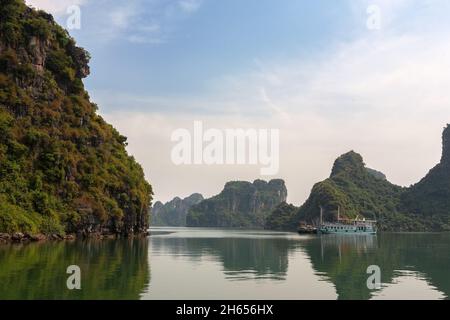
(182, 263)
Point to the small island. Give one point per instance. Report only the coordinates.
(241, 204)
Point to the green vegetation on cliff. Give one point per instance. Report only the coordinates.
(281, 218)
(62, 167)
(240, 205)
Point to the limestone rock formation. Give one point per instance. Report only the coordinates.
(174, 212)
(241, 204)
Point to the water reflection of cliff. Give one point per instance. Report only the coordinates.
(344, 260)
(340, 260)
(109, 270)
(242, 258)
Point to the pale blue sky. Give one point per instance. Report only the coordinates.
(182, 52)
(185, 48)
(309, 68)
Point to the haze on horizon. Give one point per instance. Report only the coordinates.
(312, 69)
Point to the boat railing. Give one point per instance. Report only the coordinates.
(351, 222)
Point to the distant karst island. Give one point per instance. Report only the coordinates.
(174, 212)
(241, 204)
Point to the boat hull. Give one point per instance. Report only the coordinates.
(347, 229)
(348, 233)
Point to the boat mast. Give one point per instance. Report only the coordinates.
(339, 213)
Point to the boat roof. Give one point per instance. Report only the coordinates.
(357, 220)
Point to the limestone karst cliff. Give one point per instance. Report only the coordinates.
(62, 167)
(241, 204)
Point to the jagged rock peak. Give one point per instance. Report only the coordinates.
(194, 197)
(274, 185)
(350, 162)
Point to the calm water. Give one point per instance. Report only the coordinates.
(180, 263)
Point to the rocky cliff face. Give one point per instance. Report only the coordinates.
(240, 205)
(430, 198)
(174, 212)
(62, 167)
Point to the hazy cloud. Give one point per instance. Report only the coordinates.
(137, 21)
(190, 6)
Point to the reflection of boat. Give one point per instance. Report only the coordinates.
(306, 229)
(347, 226)
(353, 242)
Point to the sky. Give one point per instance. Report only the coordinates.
(332, 76)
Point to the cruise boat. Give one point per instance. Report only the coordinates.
(347, 226)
